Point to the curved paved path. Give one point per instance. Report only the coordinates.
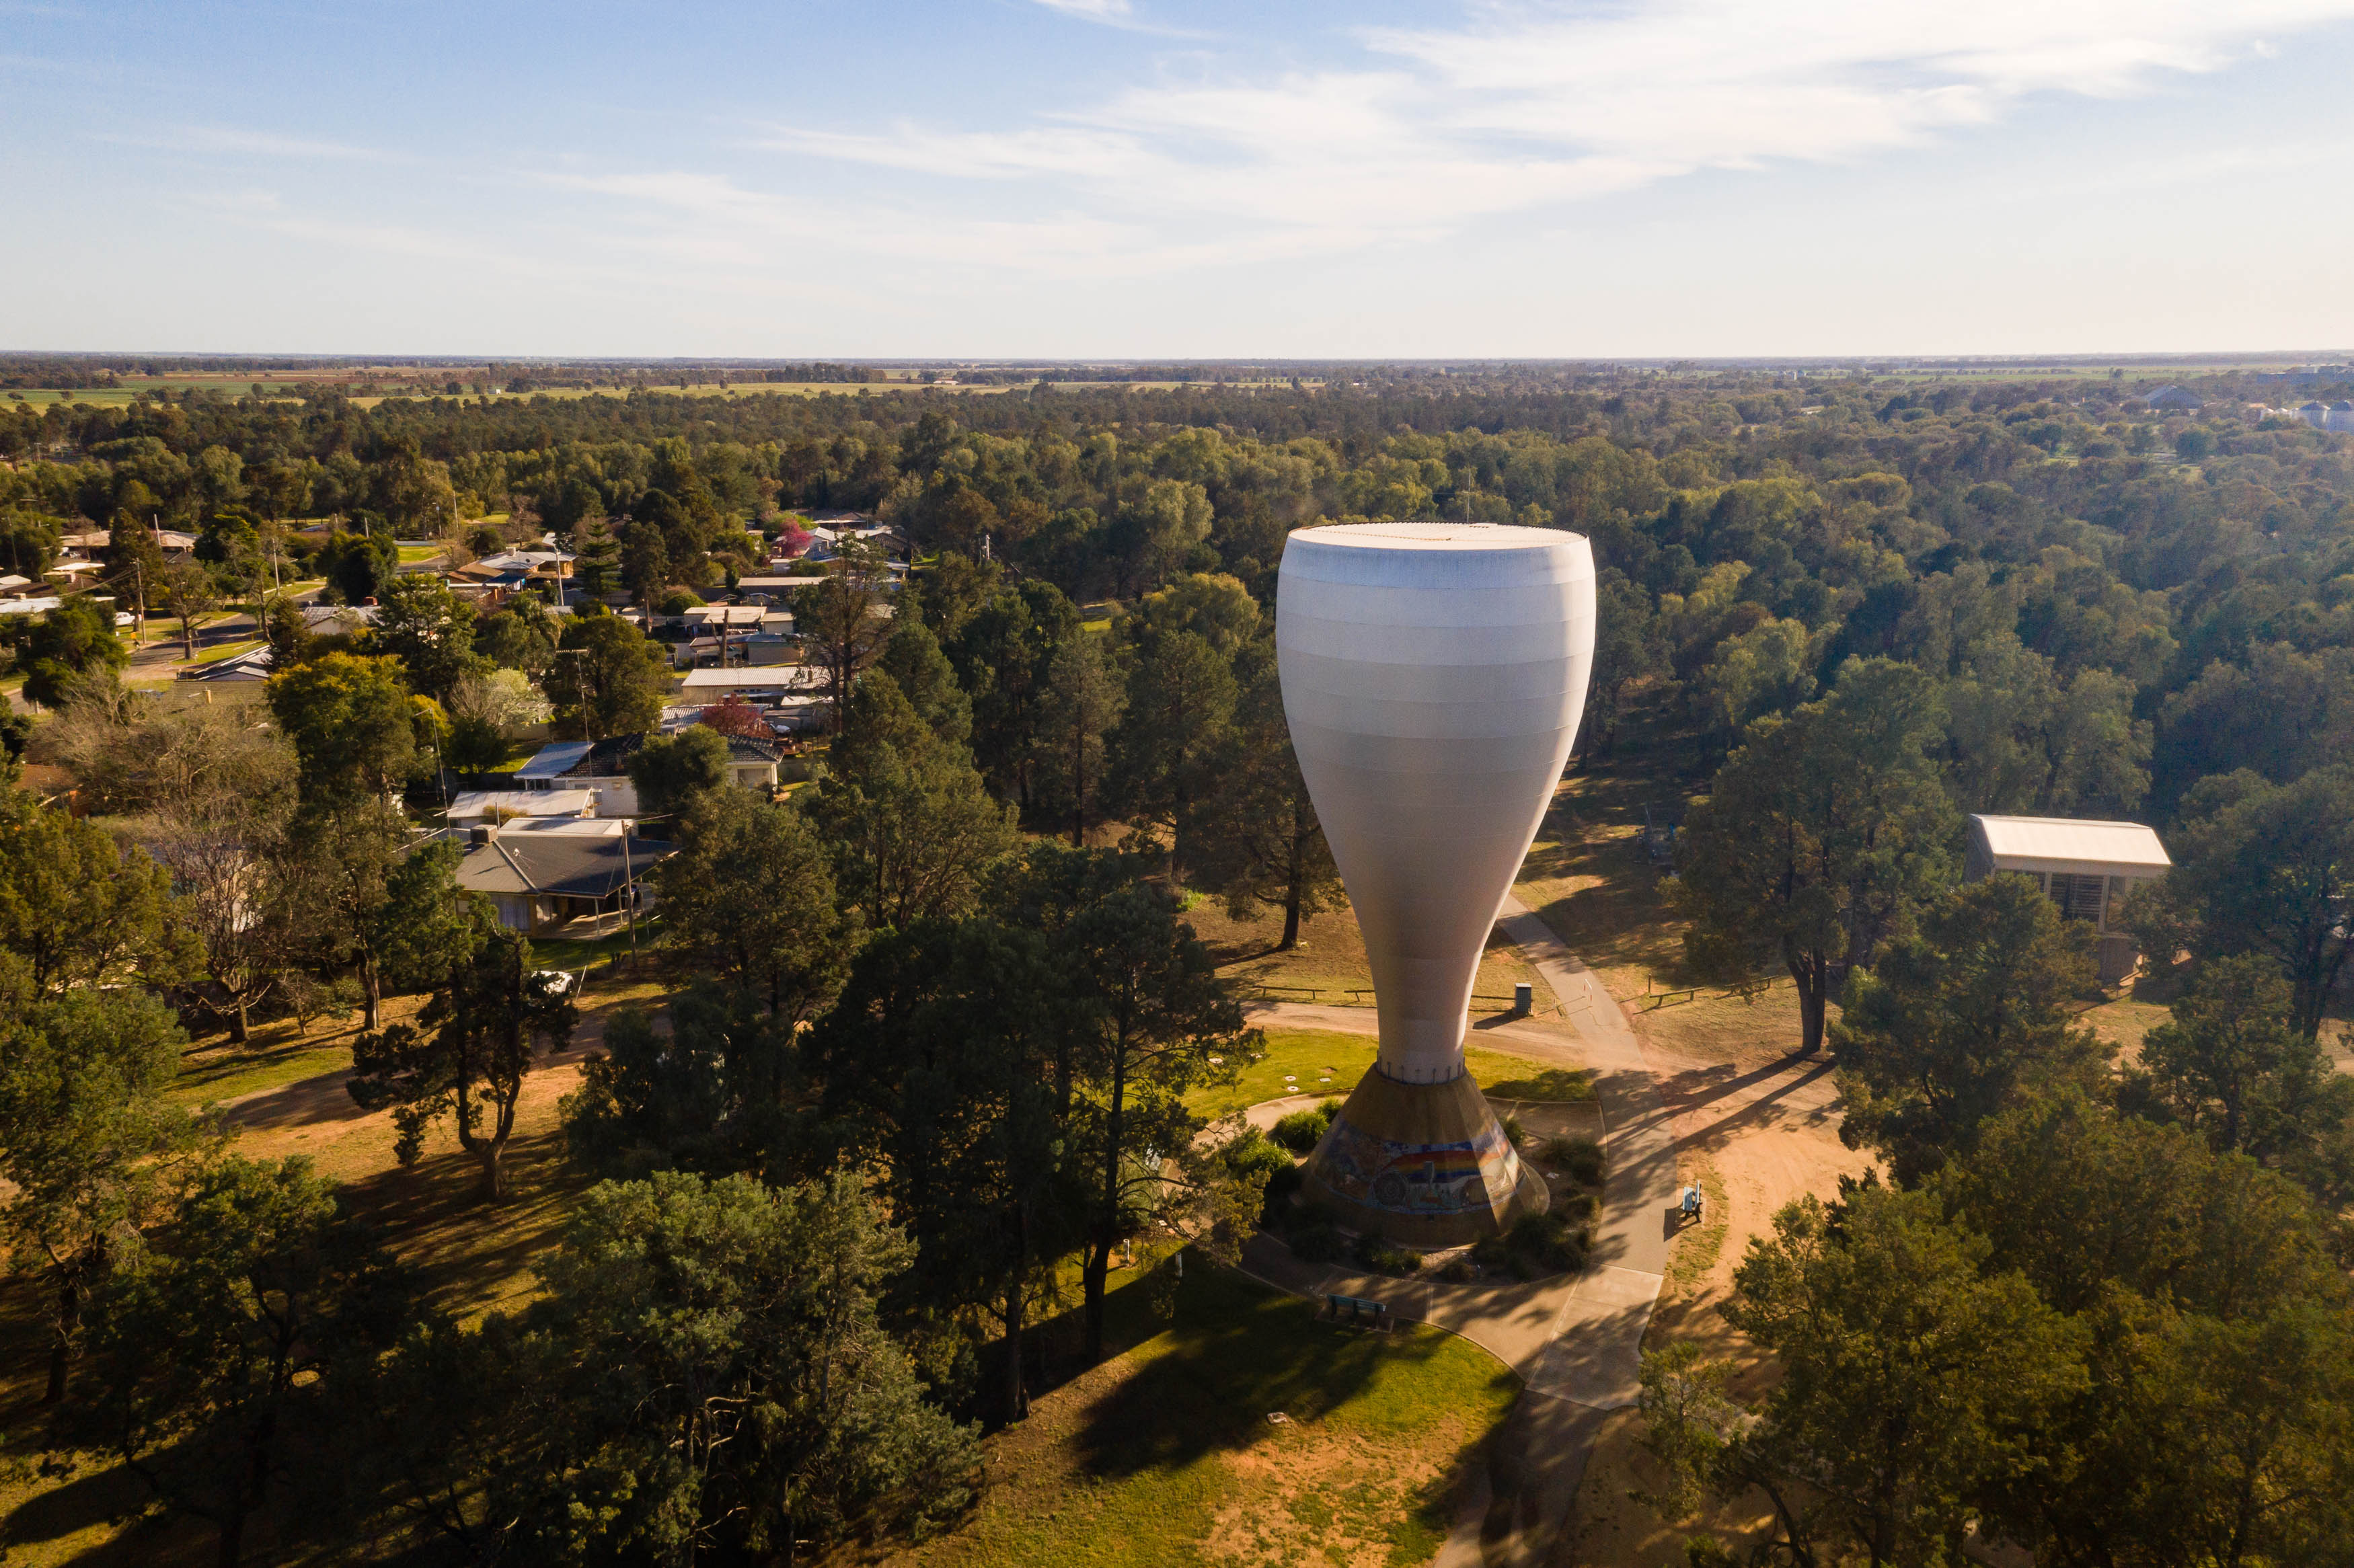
(1576, 1343)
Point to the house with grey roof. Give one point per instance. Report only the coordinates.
(542, 873)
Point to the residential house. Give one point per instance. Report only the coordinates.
(771, 589)
(792, 697)
(472, 806)
(494, 579)
(543, 873)
(603, 768)
(734, 634)
(254, 664)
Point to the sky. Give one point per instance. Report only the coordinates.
(1146, 179)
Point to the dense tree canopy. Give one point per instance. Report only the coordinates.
(2093, 1314)
(1821, 835)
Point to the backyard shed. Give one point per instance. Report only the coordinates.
(2086, 868)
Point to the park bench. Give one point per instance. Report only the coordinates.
(1375, 1314)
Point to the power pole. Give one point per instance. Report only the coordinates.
(629, 890)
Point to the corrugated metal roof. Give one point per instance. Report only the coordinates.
(554, 759)
(761, 678)
(573, 865)
(522, 802)
(2065, 839)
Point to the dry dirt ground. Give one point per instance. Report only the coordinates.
(1756, 1131)
(1330, 958)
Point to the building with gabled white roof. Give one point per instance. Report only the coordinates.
(2087, 868)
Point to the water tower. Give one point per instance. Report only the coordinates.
(1433, 675)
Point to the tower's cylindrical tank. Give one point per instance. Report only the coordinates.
(1433, 677)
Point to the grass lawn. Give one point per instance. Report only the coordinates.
(2122, 1021)
(1165, 1455)
(226, 1072)
(1696, 1250)
(557, 953)
(275, 1054)
(1299, 1061)
(225, 651)
(518, 753)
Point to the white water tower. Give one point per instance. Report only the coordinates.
(1433, 675)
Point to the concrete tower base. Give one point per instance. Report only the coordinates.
(1423, 1164)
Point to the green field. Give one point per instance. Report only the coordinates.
(1313, 1061)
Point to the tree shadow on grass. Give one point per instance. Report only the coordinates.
(471, 1255)
(103, 1498)
(1619, 919)
(1236, 1353)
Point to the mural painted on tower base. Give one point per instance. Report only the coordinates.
(1430, 1181)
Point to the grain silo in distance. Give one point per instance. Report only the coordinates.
(1433, 677)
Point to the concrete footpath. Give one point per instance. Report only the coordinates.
(1576, 1342)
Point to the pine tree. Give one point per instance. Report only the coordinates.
(597, 570)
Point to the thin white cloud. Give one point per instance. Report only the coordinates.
(1120, 14)
(242, 142)
(708, 222)
(1521, 106)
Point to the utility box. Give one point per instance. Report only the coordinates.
(1524, 998)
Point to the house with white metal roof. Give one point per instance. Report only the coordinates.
(500, 805)
(2087, 868)
(603, 767)
(778, 680)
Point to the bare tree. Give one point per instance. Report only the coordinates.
(240, 883)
